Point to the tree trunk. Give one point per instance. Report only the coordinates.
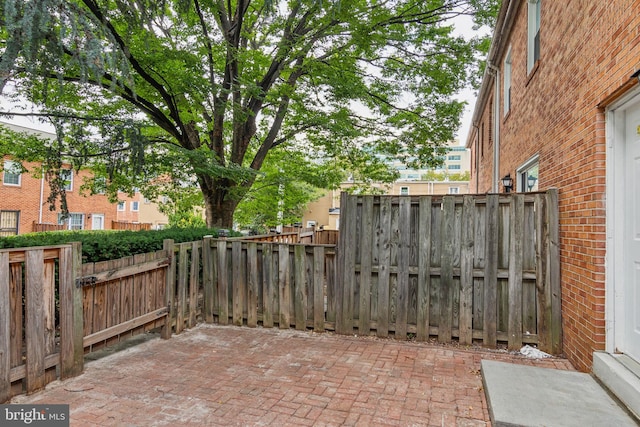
(219, 208)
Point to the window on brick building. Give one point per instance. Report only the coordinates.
(507, 82)
(100, 185)
(528, 175)
(121, 206)
(9, 221)
(75, 221)
(135, 206)
(482, 140)
(533, 33)
(66, 175)
(12, 173)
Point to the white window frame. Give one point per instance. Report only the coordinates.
(135, 206)
(506, 96)
(68, 221)
(523, 174)
(121, 206)
(10, 165)
(68, 179)
(533, 33)
(454, 190)
(404, 191)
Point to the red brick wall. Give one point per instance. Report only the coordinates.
(587, 51)
(32, 202)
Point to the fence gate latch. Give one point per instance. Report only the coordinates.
(86, 281)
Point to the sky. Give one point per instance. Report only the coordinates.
(464, 26)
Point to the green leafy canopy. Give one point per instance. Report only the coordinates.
(209, 88)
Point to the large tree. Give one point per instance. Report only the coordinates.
(220, 84)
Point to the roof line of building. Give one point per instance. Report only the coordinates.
(504, 22)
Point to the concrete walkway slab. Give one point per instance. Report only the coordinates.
(232, 376)
(520, 395)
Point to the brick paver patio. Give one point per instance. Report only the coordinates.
(223, 376)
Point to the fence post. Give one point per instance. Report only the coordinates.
(553, 254)
(207, 279)
(71, 310)
(489, 335)
(516, 254)
(168, 246)
(5, 332)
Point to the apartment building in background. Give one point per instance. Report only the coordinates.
(325, 212)
(24, 207)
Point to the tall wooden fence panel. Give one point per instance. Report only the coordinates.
(480, 268)
(276, 284)
(38, 308)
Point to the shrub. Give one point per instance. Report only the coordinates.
(109, 244)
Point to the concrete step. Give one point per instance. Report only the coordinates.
(620, 374)
(519, 395)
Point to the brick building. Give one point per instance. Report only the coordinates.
(559, 106)
(24, 207)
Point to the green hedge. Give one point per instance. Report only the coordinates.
(107, 245)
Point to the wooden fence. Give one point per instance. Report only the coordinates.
(53, 309)
(475, 268)
(284, 285)
(39, 334)
(481, 269)
(123, 225)
(297, 235)
(39, 227)
(124, 297)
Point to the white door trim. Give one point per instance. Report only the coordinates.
(93, 218)
(615, 196)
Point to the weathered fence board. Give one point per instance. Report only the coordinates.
(5, 328)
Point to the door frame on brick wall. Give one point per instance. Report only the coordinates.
(616, 315)
(93, 221)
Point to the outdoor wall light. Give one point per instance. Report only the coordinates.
(531, 181)
(507, 183)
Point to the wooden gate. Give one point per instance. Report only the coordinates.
(39, 312)
(123, 297)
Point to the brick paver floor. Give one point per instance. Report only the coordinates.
(213, 375)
